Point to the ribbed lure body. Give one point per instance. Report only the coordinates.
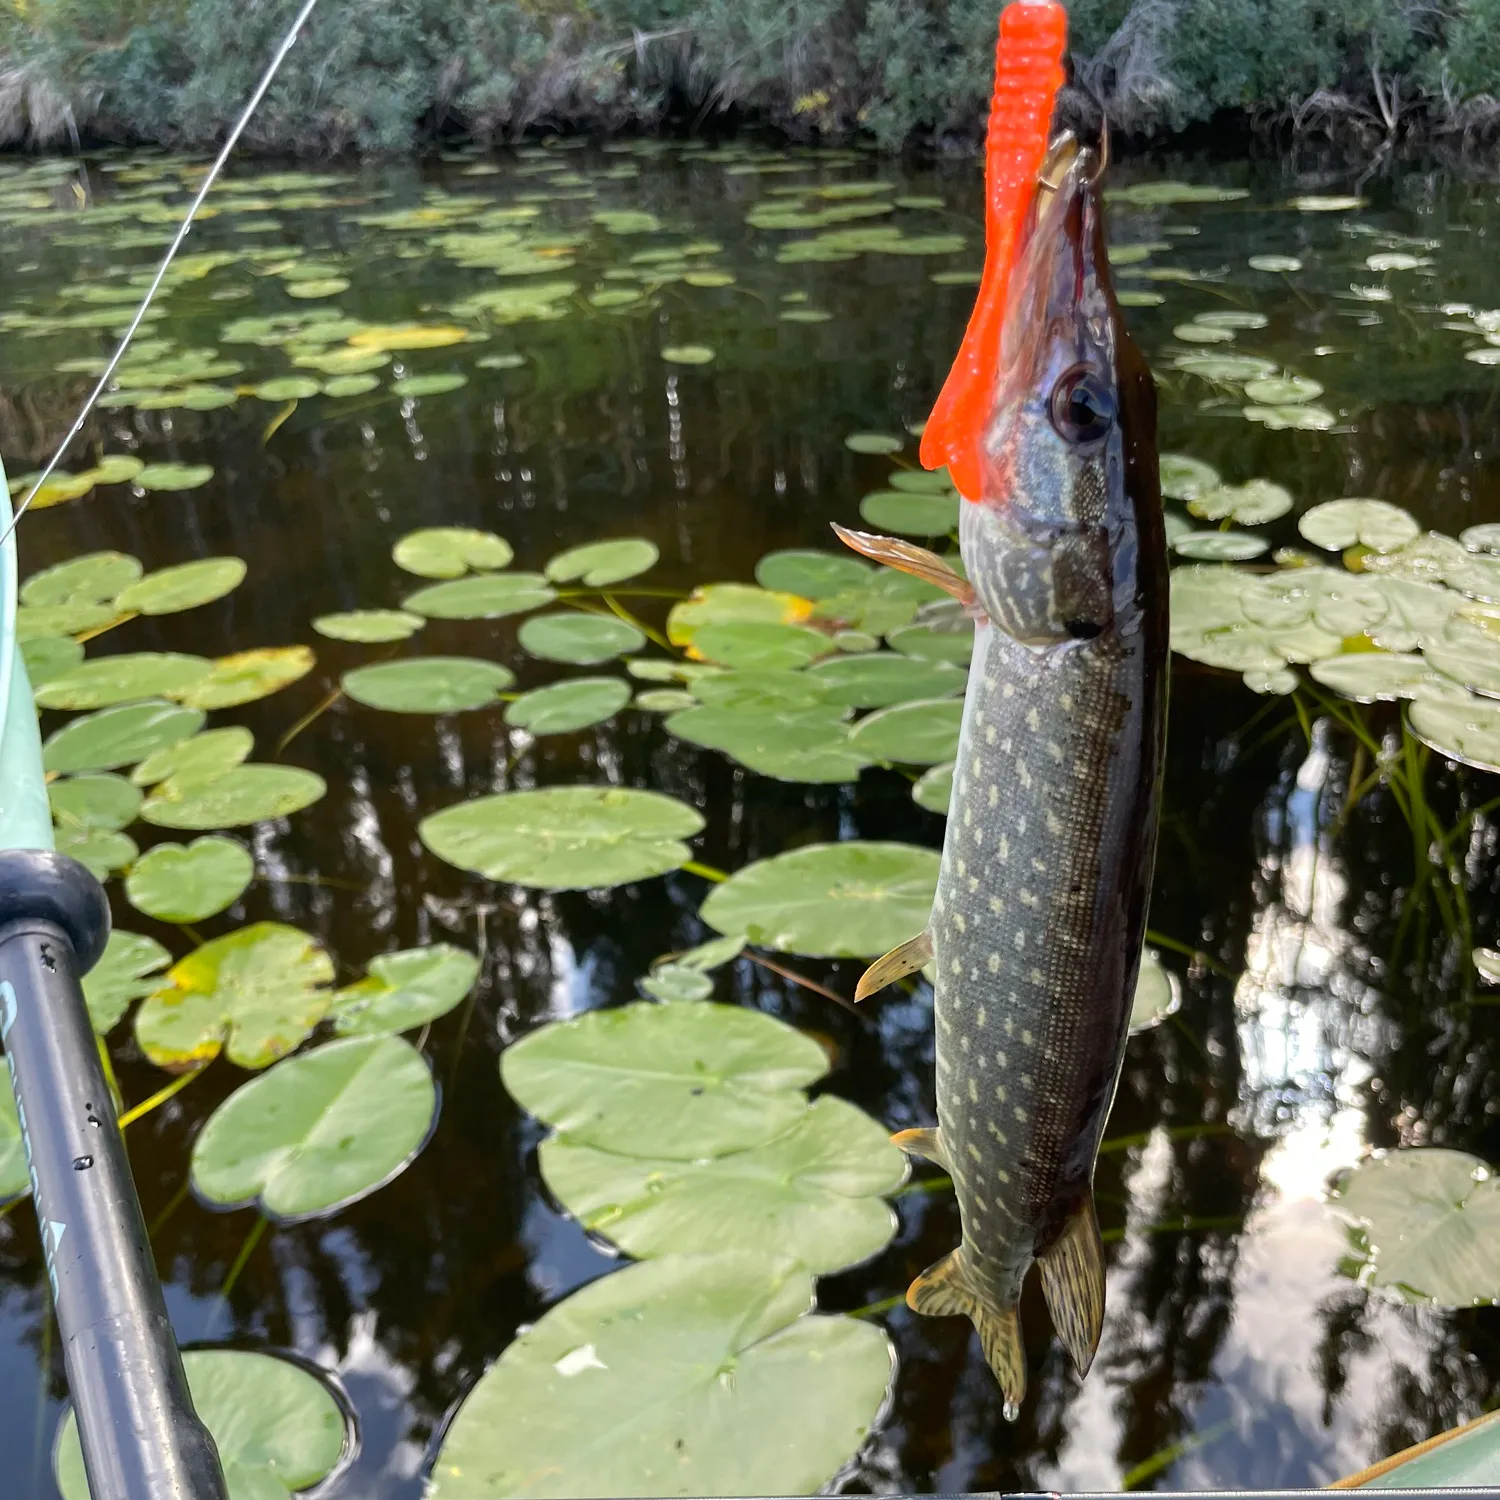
(1028, 74)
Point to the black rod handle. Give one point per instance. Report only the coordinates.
(142, 1439)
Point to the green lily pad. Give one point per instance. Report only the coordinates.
(908, 514)
(1185, 478)
(567, 707)
(918, 733)
(278, 1428)
(450, 551)
(200, 757)
(757, 646)
(404, 990)
(318, 1131)
(675, 984)
(188, 882)
(1372, 676)
(185, 586)
(788, 743)
(101, 851)
(174, 476)
(1161, 194)
(436, 384)
(637, 1360)
(874, 442)
(932, 643)
(118, 736)
(1231, 317)
(847, 900)
(1219, 546)
(1426, 1223)
(766, 691)
(61, 619)
(680, 1082)
(1282, 390)
(95, 801)
(1203, 333)
(688, 354)
(1468, 654)
(1283, 263)
(1251, 504)
(663, 700)
(369, 626)
(429, 684)
(934, 789)
(243, 795)
(489, 596)
(1483, 538)
(1293, 417)
(123, 974)
(286, 388)
(94, 578)
(15, 1177)
(49, 656)
(1337, 524)
(1223, 368)
(886, 677)
(565, 838)
(596, 565)
(573, 636)
(1463, 727)
(812, 1193)
(342, 386)
(810, 574)
(122, 679)
(1157, 994)
(258, 993)
(1487, 963)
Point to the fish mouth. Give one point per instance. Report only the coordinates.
(1060, 303)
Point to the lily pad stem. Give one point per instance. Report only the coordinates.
(804, 981)
(654, 636)
(1171, 944)
(252, 1239)
(708, 872)
(318, 709)
(160, 1097)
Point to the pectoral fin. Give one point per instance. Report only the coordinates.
(948, 1289)
(897, 964)
(907, 557)
(928, 1144)
(1073, 1282)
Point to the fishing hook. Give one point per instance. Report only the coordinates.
(182, 233)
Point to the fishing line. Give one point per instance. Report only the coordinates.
(287, 43)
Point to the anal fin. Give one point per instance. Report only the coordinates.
(907, 557)
(896, 964)
(926, 1143)
(947, 1289)
(1073, 1282)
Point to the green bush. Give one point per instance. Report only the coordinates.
(381, 75)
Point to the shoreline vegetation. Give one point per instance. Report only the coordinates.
(381, 77)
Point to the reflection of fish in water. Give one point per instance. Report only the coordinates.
(1039, 916)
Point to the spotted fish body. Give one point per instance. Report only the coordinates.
(1040, 910)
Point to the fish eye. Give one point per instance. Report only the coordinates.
(1083, 407)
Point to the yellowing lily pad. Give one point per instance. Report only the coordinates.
(247, 676)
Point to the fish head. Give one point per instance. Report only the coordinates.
(1050, 544)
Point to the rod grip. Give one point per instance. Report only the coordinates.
(141, 1437)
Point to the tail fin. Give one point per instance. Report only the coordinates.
(947, 1289)
(1073, 1282)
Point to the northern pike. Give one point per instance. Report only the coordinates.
(1040, 911)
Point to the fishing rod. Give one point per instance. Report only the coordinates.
(141, 1437)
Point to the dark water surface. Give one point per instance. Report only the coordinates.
(1235, 1353)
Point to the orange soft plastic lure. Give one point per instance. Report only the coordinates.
(1028, 74)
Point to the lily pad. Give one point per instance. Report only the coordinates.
(101, 851)
(123, 974)
(1251, 504)
(1219, 546)
(813, 575)
(687, 354)
(118, 736)
(174, 476)
(278, 1428)
(596, 565)
(490, 596)
(1337, 524)
(429, 684)
(812, 1193)
(49, 656)
(1427, 1221)
(567, 707)
(1282, 390)
(882, 678)
(450, 551)
(934, 789)
(918, 733)
(760, 646)
(565, 837)
(874, 442)
(286, 388)
(94, 578)
(258, 992)
(637, 1360)
(319, 1131)
(188, 882)
(200, 757)
(98, 800)
(1463, 727)
(1157, 994)
(681, 1082)
(1185, 478)
(243, 795)
(909, 514)
(247, 676)
(573, 636)
(1372, 676)
(436, 384)
(1282, 263)
(369, 626)
(185, 586)
(847, 900)
(404, 990)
